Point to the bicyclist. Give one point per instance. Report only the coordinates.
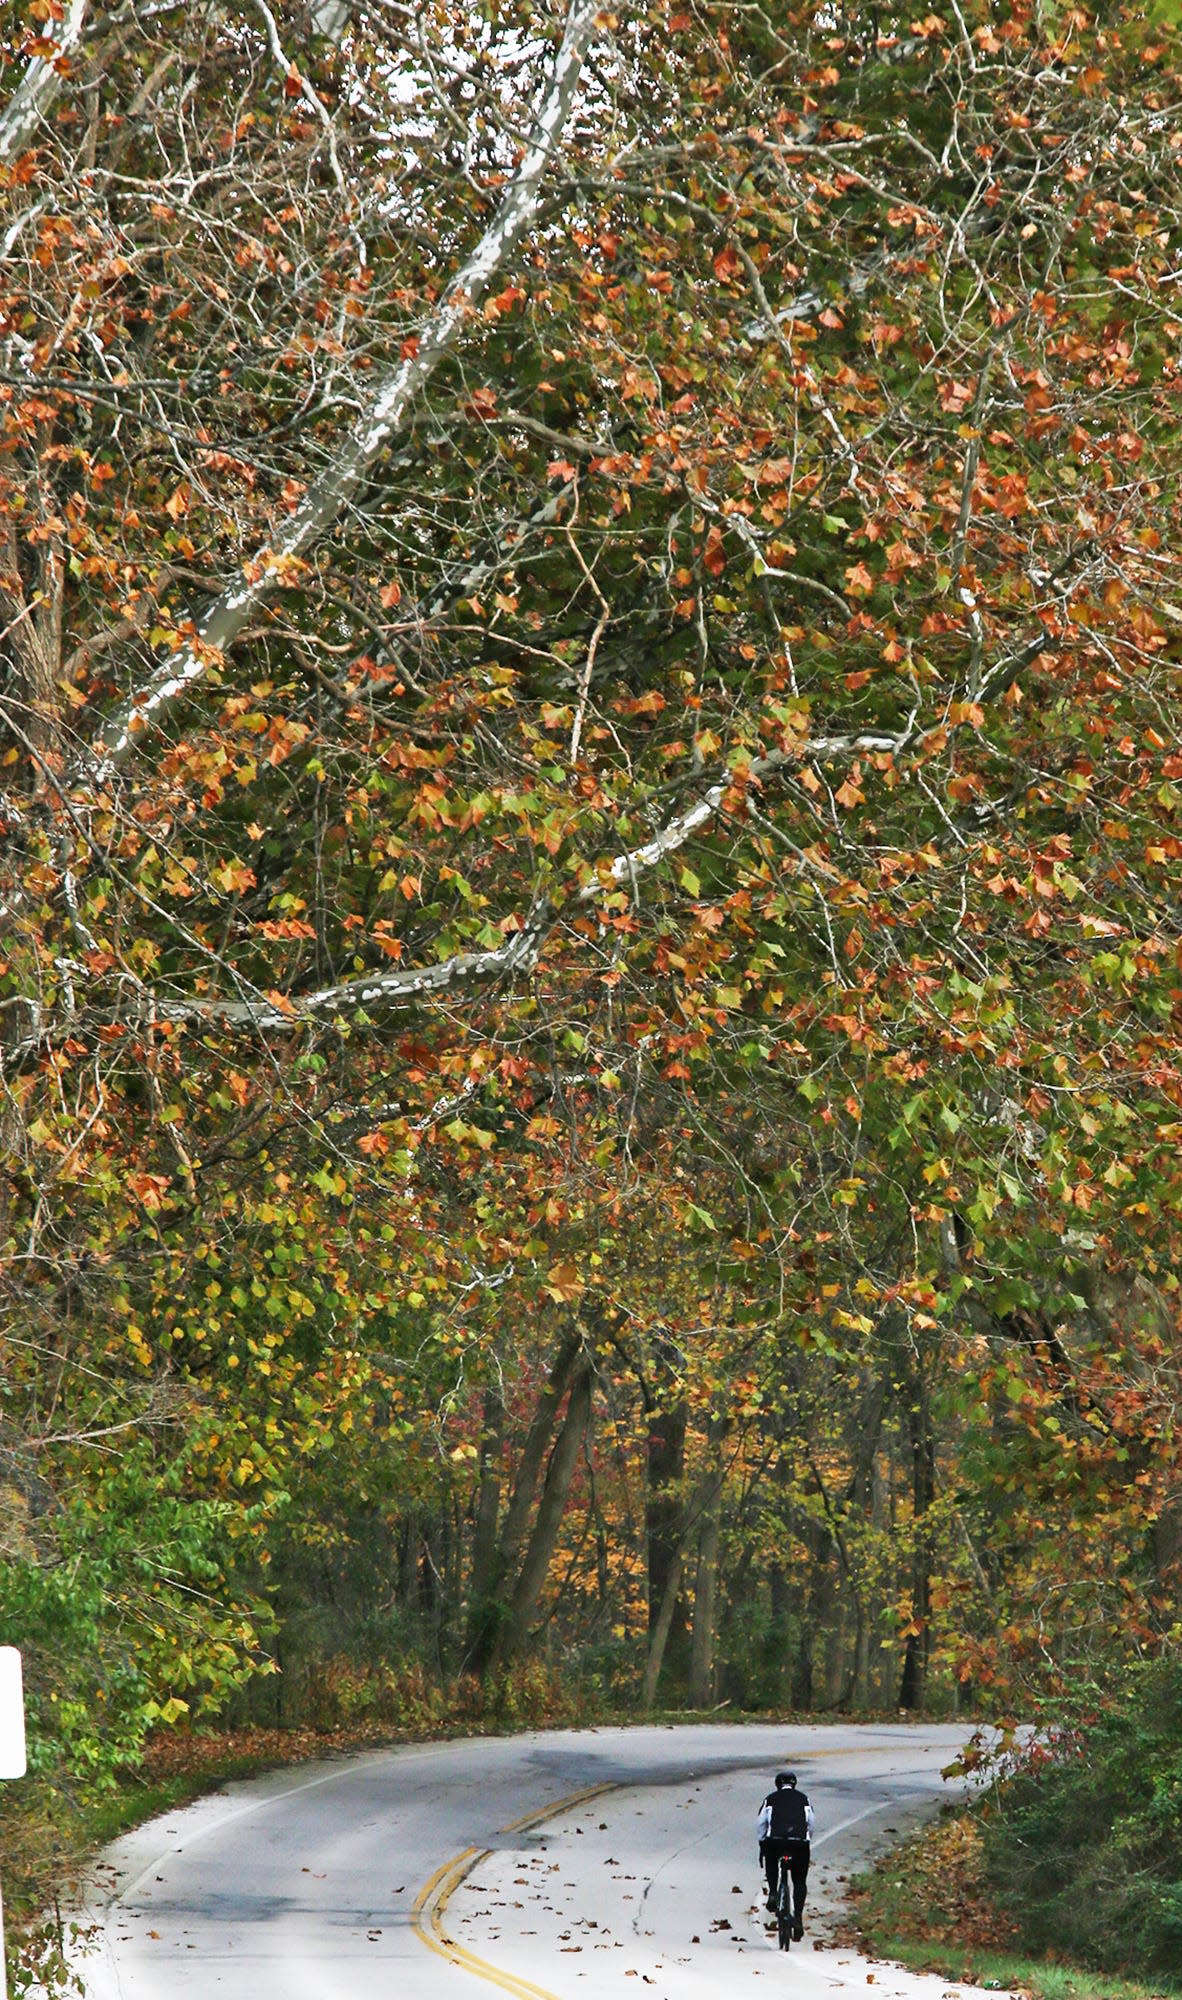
(786, 1827)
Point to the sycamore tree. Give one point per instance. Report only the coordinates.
(589, 785)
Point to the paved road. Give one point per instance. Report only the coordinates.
(355, 1877)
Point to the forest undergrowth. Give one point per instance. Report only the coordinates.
(928, 1906)
(1065, 1878)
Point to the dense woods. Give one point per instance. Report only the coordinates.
(589, 1072)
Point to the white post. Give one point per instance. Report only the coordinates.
(13, 1760)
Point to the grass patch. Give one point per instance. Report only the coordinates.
(928, 1906)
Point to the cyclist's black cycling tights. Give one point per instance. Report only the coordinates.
(799, 1854)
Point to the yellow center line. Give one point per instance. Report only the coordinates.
(429, 1905)
(572, 1799)
(432, 1900)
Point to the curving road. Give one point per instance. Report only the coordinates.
(420, 1871)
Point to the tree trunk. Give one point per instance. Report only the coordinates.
(913, 1680)
(802, 1669)
(700, 1689)
(658, 1637)
(535, 1566)
(773, 1685)
(663, 1500)
(33, 98)
(695, 1518)
(487, 1608)
(488, 1507)
(408, 1546)
(860, 1689)
(864, 1502)
(815, 1617)
(664, 1515)
(701, 1674)
(428, 1580)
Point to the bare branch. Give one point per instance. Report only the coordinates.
(309, 96)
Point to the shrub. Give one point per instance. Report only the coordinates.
(1085, 1848)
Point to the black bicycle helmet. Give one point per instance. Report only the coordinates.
(785, 1778)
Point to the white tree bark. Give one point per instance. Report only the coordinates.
(392, 403)
(41, 82)
(407, 985)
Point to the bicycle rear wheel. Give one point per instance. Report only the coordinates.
(784, 1910)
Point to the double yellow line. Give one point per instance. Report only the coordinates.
(432, 1900)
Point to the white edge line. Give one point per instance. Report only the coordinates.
(126, 1889)
(884, 1805)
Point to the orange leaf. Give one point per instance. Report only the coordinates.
(563, 1282)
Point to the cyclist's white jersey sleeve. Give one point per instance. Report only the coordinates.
(765, 1820)
(808, 1822)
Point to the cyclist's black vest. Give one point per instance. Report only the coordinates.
(788, 1814)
